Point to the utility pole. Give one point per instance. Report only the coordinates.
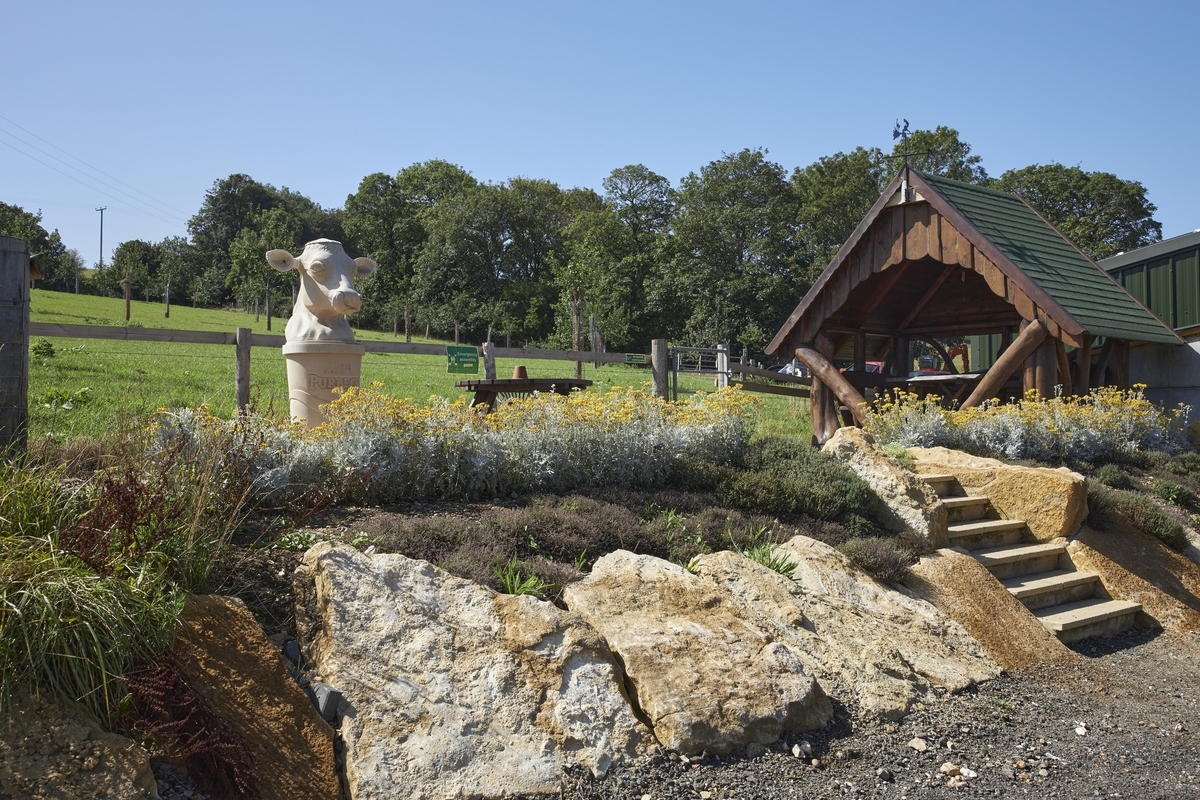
(101, 210)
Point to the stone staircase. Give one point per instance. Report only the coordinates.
(1071, 604)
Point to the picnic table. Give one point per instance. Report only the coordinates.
(953, 386)
(487, 391)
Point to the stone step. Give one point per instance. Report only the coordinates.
(1098, 616)
(985, 533)
(1012, 560)
(965, 509)
(1046, 589)
(942, 485)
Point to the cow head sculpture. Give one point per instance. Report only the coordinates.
(327, 291)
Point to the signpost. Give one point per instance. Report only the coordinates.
(462, 360)
(635, 358)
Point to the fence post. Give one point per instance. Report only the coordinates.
(14, 345)
(489, 361)
(722, 366)
(241, 371)
(659, 368)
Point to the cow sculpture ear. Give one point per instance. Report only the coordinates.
(282, 260)
(363, 267)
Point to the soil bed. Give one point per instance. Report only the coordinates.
(1136, 696)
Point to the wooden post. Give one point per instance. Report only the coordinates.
(860, 352)
(241, 369)
(826, 349)
(166, 301)
(822, 369)
(14, 345)
(1083, 366)
(722, 366)
(576, 308)
(991, 383)
(1064, 367)
(1120, 364)
(660, 368)
(407, 336)
(268, 302)
(128, 284)
(489, 361)
(1045, 369)
(1098, 371)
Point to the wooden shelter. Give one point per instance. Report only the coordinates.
(937, 259)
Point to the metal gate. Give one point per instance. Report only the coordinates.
(698, 361)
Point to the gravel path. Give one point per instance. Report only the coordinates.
(1120, 723)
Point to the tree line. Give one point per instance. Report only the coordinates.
(723, 256)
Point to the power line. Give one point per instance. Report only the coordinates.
(86, 164)
(88, 185)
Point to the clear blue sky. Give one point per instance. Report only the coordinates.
(166, 98)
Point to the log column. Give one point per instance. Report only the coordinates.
(1083, 366)
(1046, 369)
(1026, 344)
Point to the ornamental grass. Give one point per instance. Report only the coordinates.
(1107, 424)
(381, 449)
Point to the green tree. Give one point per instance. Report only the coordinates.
(138, 261)
(738, 252)
(176, 266)
(385, 218)
(16, 221)
(1098, 211)
(939, 152)
(834, 194)
(250, 275)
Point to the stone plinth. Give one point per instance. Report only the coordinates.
(315, 370)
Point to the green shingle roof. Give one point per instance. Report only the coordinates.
(1085, 291)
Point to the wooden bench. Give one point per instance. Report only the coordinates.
(488, 391)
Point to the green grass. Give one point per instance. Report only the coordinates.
(130, 380)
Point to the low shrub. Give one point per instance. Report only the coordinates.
(1106, 425)
(880, 558)
(1140, 511)
(1173, 493)
(547, 442)
(1114, 477)
(900, 453)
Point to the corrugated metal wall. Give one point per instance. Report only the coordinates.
(1170, 287)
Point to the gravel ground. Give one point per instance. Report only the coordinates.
(1120, 723)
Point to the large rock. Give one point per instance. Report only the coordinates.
(451, 689)
(965, 591)
(1137, 567)
(909, 503)
(889, 647)
(243, 678)
(1053, 502)
(706, 675)
(50, 751)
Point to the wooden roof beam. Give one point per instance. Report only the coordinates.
(929, 293)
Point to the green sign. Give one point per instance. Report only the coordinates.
(462, 360)
(635, 358)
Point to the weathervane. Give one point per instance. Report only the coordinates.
(902, 134)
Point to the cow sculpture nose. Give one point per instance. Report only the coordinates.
(346, 302)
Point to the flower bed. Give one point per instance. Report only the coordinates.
(1106, 425)
(391, 449)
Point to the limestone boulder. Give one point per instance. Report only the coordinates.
(243, 678)
(909, 503)
(453, 690)
(1053, 502)
(855, 614)
(705, 675)
(1135, 566)
(50, 751)
(965, 591)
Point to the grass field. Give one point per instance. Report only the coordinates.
(91, 387)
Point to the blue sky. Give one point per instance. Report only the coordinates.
(166, 98)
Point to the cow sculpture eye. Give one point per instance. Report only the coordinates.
(317, 270)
